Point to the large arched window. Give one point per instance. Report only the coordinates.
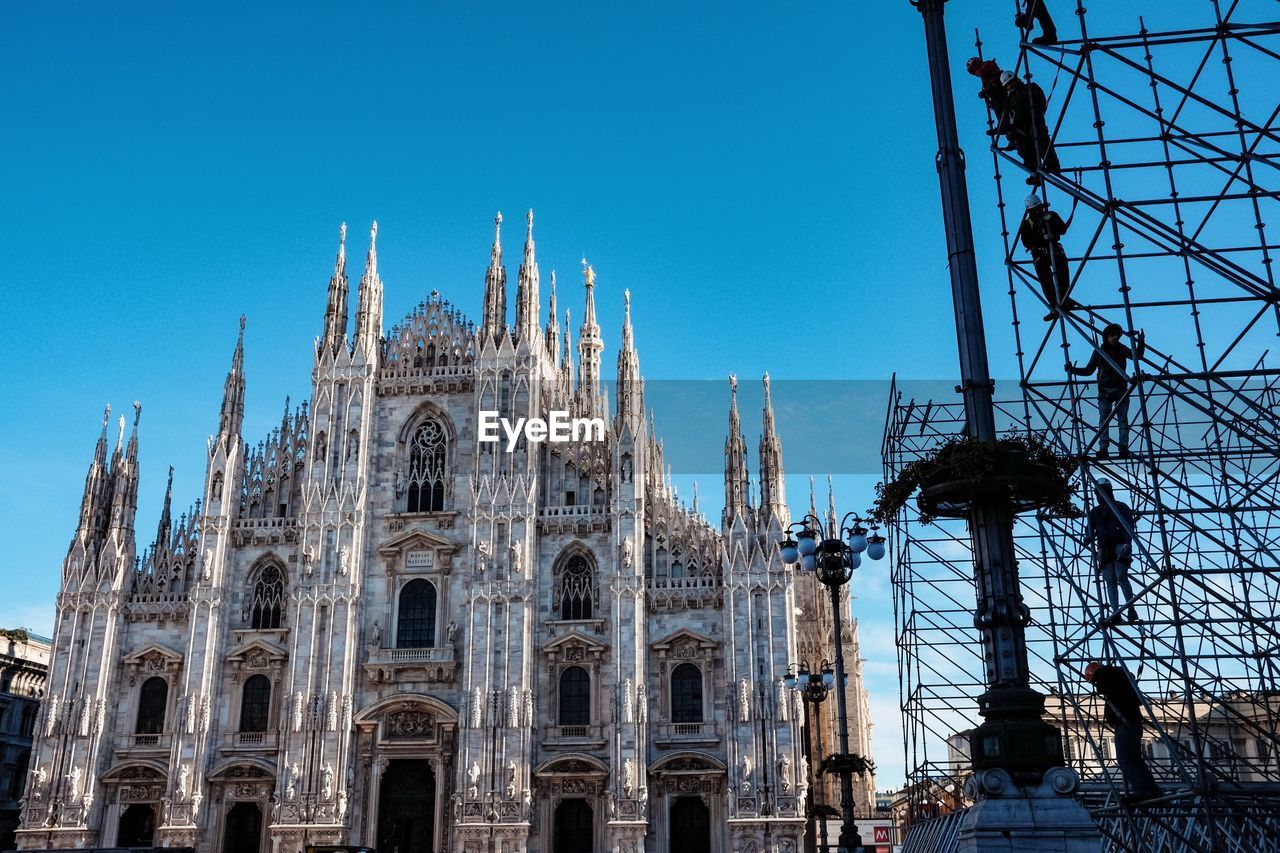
(575, 697)
(28, 720)
(19, 778)
(577, 589)
(416, 618)
(686, 694)
(267, 608)
(427, 461)
(152, 701)
(255, 704)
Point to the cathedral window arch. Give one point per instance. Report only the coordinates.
(575, 590)
(255, 704)
(416, 615)
(686, 694)
(153, 702)
(426, 472)
(266, 607)
(574, 697)
(19, 777)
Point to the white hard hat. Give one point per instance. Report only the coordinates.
(1034, 200)
(1103, 483)
(1006, 77)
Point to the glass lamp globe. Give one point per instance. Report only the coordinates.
(808, 563)
(790, 553)
(828, 679)
(808, 543)
(858, 539)
(855, 559)
(875, 547)
(789, 681)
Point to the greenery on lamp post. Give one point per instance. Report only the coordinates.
(1024, 469)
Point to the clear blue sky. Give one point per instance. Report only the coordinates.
(760, 175)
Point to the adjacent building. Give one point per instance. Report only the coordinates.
(24, 666)
(378, 627)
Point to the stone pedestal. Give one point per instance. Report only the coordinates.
(1011, 818)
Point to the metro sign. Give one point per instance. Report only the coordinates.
(882, 834)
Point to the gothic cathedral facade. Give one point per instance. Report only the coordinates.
(375, 628)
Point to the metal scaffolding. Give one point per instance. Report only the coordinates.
(1170, 157)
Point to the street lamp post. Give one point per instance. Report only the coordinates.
(833, 559)
(1014, 735)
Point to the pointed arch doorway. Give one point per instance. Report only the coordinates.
(407, 807)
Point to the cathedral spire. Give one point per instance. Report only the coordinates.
(553, 331)
(124, 479)
(495, 288)
(528, 302)
(831, 504)
(165, 527)
(630, 395)
(93, 505)
(335, 312)
(589, 346)
(736, 487)
(232, 415)
(369, 305)
(773, 491)
(566, 356)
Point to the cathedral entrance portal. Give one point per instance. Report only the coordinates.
(406, 807)
(690, 826)
(137, 826)
(244, 829)
(573, 828)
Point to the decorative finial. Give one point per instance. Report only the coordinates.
(588, 274)
(733, 384)
(120, 435)
(373, 236)
(529, 229)
(242, 322)
(137, 413)
(342, 236)
(106, 417)
(626, 301)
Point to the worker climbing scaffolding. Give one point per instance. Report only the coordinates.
(1109, 361)
(1040, 233)
(1110, 532)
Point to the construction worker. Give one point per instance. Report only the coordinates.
(992, 91)
(1024, 123)
(1037, 11)
(1109, 360)
(1109, 530)
(1039, 233)
(1124, 713)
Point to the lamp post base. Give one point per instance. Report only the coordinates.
(1010, 818)
(1014, 736)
